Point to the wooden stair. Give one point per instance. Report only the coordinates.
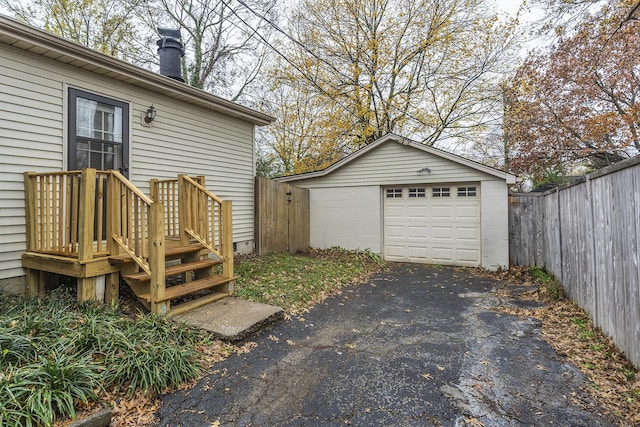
(193, 262)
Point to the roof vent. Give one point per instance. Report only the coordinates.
(170, 50)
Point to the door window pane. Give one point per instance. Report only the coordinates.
(101, 132)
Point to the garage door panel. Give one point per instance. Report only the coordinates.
(417, 231)
(445, 233)
(468, 234)
(467, 212)
(441, 254)
(442, 230)
(417, 252)
(468, 256)
(444, 212)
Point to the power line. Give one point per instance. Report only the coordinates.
(306, 49)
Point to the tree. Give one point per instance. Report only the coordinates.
(561, 17)
(107, 26)
(578, 104)
(223, 41)
(354, 70)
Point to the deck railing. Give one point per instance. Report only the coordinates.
(206, 218)
(167, 194)
(136, 226)
(65, 213)
(89, 214)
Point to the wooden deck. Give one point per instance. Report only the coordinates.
(97, 226)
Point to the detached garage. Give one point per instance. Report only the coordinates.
(411, 203)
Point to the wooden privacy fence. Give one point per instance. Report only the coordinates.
(588, 236)
(282, 217)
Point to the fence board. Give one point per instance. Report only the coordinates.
(588, 236)
(282, 217)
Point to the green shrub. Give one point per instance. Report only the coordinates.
(55, 354)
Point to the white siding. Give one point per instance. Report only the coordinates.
(495, 219)
(391, 164)
(183, 139)
(347, 217)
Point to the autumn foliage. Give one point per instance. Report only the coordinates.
(578, 105)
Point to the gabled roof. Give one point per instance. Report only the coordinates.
(25, 37)
(393, 138)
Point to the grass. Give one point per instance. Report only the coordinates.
(296, 282)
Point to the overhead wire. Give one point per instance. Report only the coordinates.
(309, 51)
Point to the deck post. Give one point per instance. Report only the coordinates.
(35, 282)
(184, 207)
(112, 288)
(30, 210)
(156, 258)
(86, 285)
(227, 242)
(114, 220)
(86, 214)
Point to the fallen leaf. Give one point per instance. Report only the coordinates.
(474, 422)
(274, 338)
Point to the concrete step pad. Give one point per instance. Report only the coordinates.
(232, 319)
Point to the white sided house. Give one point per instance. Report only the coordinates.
(64, 107)
(411, 203)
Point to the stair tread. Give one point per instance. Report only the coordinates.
(176, 291)
(177, 269)
(169, 252)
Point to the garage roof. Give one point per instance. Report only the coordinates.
(21, 36)
(393, 138)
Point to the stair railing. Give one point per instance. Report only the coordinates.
(206, 218)
(135, 224)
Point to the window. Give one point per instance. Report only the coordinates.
(467, 191)
(417, 192)
(394, 193)
(98, 132)
(440, 192)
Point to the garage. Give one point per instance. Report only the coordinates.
(410, 202)
(432, 224)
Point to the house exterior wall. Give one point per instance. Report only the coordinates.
(349, 217)
(353, 192)
(183, 139)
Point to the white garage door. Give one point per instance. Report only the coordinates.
(433, 224)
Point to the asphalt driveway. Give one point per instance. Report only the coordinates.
(414, 346)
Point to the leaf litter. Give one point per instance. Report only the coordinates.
(614, 381)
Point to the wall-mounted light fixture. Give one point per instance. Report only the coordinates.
(423, 171)
(150, 115)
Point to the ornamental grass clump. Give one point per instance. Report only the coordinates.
(56, 355)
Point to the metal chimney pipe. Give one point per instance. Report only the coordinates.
(170, 51)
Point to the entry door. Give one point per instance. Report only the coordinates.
(433, 224)
(98, 132)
